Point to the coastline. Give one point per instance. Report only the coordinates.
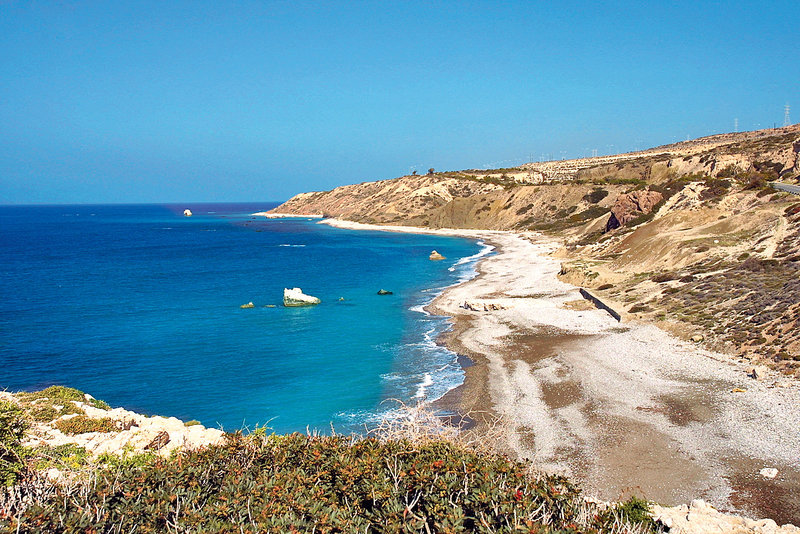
(620, 408)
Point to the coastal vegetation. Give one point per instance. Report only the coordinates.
(404, 481)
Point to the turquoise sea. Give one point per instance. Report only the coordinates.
(140, 306)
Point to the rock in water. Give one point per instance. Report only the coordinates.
(187, 213)
(384, 292)
(435, 256)
(295, 297)
(248, 305)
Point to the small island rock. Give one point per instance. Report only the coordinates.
(384, 292)
(295, 297)
(435, 256)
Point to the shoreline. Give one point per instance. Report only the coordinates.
(621, 408)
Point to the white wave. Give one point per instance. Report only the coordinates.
(419, 308)
(485, 250)
(422, 389)
(289, 245)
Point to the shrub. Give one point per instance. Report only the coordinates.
(62, 393)
(715, 188)
(297, 483)
(664, 277)
(12, 431)
(595, 196)
(81, 424)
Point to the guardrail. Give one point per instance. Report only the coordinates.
(793, 189)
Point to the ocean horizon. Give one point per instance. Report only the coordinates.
(141, 306)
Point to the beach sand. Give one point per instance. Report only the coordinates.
(620, 408)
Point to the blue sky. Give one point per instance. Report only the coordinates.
(250, 101)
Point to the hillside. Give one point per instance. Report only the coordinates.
(689, 235)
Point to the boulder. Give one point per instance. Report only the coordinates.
(478, 306)
(697, 338)
(768, 472)
(435, 256)
(295, 297)
(384, 292)
(631, 205)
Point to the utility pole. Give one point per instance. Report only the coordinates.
(786, 121)
(736, 125)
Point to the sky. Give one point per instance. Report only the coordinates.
(238, 101)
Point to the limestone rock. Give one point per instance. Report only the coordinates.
(384, 292)
(479, 306)
(697, 338)
(248, 305)
(435, 256)
(768, 472)
(295, 297)
(631, 205)
(699, 517)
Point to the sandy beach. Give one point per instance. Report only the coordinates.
(621, 408)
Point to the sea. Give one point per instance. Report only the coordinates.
(140, 306)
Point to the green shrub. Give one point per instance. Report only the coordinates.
(68, 455)
(81, 424)
(297, 483)
(634, 511)
(62, 393)
(12, 431)
(595, 196)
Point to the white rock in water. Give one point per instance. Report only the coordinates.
(295, 297)
(187, 213)
(768, 472)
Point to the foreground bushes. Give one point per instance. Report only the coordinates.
(297, 483)
(12, 431)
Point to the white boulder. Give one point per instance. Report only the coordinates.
(295, 297)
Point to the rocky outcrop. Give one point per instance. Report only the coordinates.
(631, 205)
(136, 433)
(293, 298)
(435, 256)
(700, 517)
(481, 306)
